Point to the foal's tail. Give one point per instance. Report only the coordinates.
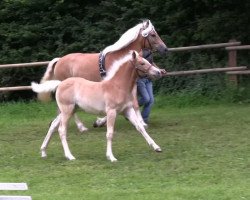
(48, 86)
(48, 75)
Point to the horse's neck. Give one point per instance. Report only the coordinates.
(125, 77)
(112, 56)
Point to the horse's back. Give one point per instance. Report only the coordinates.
(83, 65)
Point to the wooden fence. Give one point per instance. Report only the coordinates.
(233, 70)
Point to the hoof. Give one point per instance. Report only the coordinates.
(95, 125)
(43, 154)
(83, 129)
(70, 157)
(112, 158)
(158, 150)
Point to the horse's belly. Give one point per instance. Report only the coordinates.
(94, 107)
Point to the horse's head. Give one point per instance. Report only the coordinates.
(143, 67)
(151, 38)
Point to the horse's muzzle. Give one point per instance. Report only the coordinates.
(156, 75)
(162, 50)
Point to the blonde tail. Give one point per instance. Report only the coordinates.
(48, 75)
(47, 86)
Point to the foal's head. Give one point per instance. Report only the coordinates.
(151, 38)
(143, 67)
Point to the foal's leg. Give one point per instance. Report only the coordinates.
(111, 116)
(54, 124)
(137, 107)
(65, 116)
(131, 115)
(79, 124)
(100, 122)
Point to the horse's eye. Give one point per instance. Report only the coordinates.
(142, 63)
(153, 35)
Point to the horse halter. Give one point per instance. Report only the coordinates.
(145, 36)
(146, 54)
(142, 72)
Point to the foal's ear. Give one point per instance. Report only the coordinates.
(133, 55)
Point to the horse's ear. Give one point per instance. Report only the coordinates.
(133, 55)
(147, 23)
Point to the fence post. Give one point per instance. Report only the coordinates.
(232, 62)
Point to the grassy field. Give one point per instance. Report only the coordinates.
(206, 155)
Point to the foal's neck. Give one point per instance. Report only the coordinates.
(125, 77)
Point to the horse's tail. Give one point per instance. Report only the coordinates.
(47, 86)
(48, 75)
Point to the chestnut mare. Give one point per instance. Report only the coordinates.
(86, 65)
(98, 97)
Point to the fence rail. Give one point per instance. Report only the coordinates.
(242, 47)
(206, 46)
(15, 88)
(32, 64)
(203, 71)
(232, 46)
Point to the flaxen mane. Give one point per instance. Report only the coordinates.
(129, 36)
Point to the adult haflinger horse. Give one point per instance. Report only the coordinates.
(86, 65)
(98, 97)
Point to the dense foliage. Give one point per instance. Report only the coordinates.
(40, 30)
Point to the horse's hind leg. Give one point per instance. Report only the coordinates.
(131, 115)
(79, 124)
(54, 124)
(65, 116)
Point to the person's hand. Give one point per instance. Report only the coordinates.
(163, 71)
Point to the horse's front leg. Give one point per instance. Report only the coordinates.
(131, 115)
(79, 124)
(111, 116)
(137, 107)
(54, 124)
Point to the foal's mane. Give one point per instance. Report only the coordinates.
(129, 36)
(114, 68)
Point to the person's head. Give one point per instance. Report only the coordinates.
(147, 54)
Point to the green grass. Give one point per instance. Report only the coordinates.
(206, 155)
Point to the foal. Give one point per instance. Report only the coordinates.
(98, 98)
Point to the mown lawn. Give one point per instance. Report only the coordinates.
(206, 155)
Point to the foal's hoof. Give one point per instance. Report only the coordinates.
(158, 150)
(43, 154)
(83, 129)
(95, 125)
(70, 157)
